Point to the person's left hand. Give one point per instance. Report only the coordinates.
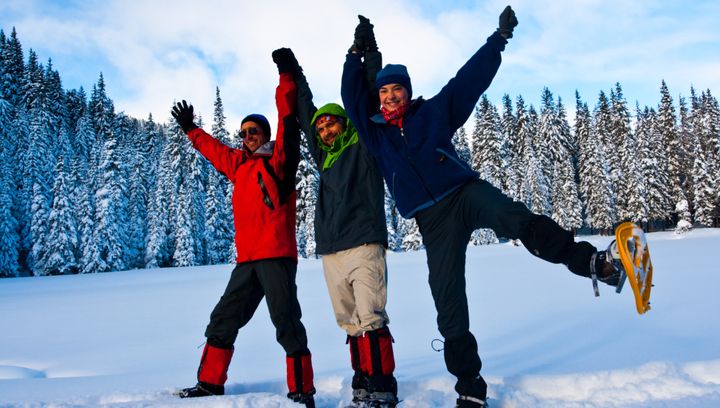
(507, 22)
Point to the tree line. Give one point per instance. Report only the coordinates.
(86, 189)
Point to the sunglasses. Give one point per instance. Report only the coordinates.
(252, 131)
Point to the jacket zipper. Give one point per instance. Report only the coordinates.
(266, 195)
(412, 165)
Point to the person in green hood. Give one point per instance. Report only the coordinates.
(351, 234)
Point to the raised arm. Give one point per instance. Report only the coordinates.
(358, 80)
(306, 111)
(462, 93)
(286, 155)
(224, 158)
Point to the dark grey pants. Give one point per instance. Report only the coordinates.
(273, 279)
(446, 228)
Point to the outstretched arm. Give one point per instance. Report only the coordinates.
(462, 93)
(224, 158)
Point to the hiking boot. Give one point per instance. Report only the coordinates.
(466, 401)
(472, 392)
(201, 390)
(305, 398)
(605, 266)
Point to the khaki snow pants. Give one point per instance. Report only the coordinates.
(357, 282)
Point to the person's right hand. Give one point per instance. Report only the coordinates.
(364, 36)
(183, 114)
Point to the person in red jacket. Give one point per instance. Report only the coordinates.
(263, 200)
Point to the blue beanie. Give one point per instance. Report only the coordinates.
(260, 120)
(394, 74)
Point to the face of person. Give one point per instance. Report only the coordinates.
(252, 135)
(329, 131)
(393, 96)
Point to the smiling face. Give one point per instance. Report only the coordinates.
(253, 136)
(393, 96)
(329, 130)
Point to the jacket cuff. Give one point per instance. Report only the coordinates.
(497, 41)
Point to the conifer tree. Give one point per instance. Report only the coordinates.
(675, 149)
(624, 144)
(656, 174)
(219, 227)
(392, 217)
(508, 126)
(9, 237)
(109, 234)
(307, 184)
(594, 177)
(61, 254)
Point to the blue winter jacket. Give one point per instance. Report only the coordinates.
(418, 161)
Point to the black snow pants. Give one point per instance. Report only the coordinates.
(273, 279)
(446, 228)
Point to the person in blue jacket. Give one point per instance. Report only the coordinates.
(411, 140)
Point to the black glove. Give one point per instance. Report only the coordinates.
(286, 61)
(183, 114)
(507, 23)
(364, 36)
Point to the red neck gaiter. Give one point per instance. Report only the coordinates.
(395, 117)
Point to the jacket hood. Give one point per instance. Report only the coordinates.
(329, 109)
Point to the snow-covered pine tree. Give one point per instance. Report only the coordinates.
(411, 238)
(83, 181)
(219, 227)
(138, 153)
(198, 168)
(609, 151)
(549, 147)
(594, 177)
(656, 175)
(9, 237)
(638, 144)
(38, 161)
(535, 190)
(565, 186)
(184, 251)
(675, 149)
(706, 171)
(684, 209)
(111, 202)
(462, 147)
(630, 193)
(392, 218)
(306, 185)
(488, 156)
(508, 126)
(61, 253)
(160, 238)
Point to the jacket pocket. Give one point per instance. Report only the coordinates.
(266, 196)
(444, 156)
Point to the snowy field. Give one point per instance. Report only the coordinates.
(128, 339)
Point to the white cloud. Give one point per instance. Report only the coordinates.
(154, 52)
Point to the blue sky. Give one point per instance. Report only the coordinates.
(153, 52)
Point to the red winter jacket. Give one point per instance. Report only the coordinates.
(264, 182)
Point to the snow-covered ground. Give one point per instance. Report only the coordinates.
(128, 339)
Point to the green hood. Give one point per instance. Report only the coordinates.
(343, 141)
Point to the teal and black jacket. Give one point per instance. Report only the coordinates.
(350, 208)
